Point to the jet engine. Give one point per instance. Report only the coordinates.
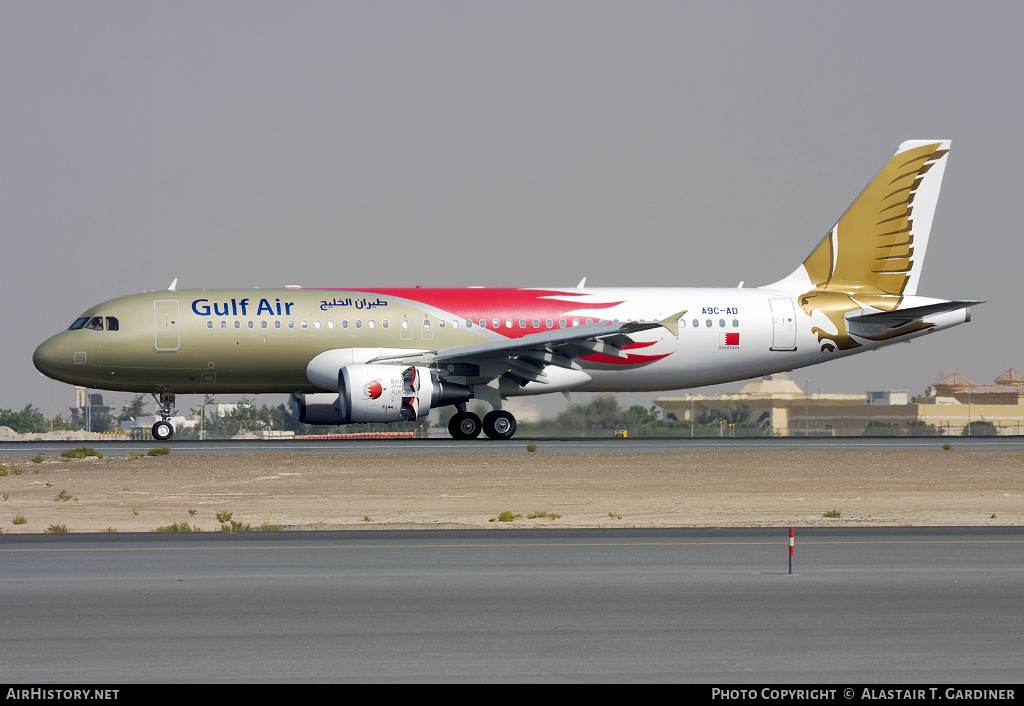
(369, 392)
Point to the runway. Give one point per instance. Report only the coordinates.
(517, 445)
(900, 605)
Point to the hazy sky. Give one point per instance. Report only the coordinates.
(501, 144)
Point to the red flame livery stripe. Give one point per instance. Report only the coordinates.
(630, 359)
(502, 304)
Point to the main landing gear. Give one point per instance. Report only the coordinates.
(498, 424)
(164, 430)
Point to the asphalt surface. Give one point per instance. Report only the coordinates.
(602, 445)
(693, 605)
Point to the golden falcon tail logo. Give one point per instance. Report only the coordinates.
(868, 258)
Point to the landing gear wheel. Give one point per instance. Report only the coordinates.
(162, 431)
(499, 424)
(464, 425)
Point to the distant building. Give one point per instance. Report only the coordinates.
(789, 411)
(788, 408)
(86, 405)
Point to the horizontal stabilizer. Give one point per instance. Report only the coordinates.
(901, 317)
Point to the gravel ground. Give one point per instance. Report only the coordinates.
(388, 491)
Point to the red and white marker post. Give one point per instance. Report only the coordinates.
(792, 544)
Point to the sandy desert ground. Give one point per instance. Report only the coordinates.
(387, 491)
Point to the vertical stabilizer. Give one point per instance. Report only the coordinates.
(876, 250)
(872, 257)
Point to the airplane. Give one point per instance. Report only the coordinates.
(393, 354)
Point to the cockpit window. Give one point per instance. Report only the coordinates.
(95, 323)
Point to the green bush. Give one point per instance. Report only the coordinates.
(57, 529)
(159, 451)
(81, 452)
(980, 428)
(543, 514)
(176, 527)
(20, 520)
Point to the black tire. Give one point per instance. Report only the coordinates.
(464, 425)
(499, 424)
(162, 431)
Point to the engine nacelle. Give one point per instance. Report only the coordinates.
(370, 392)
(384, 393)
(318, 408)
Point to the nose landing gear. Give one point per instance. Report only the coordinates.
(163, 429)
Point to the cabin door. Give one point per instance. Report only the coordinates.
(166, 337)
(783, 325)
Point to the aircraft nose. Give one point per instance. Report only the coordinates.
(47, 357)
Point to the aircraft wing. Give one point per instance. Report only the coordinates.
(523, 359)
